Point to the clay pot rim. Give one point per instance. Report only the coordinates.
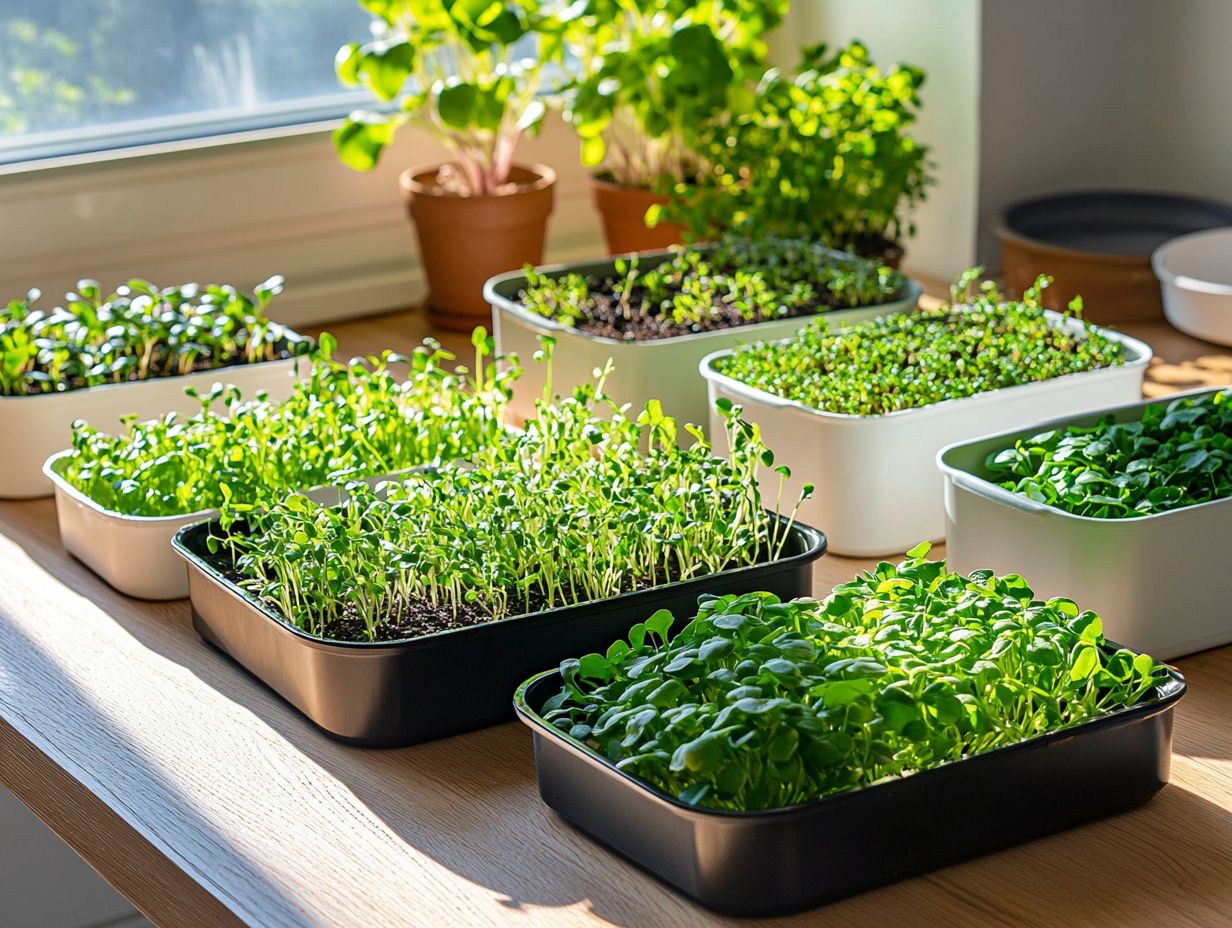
(1007, 235)
(409, 181)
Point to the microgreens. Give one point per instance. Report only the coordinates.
(911, 360)
(346, 421)
(758, 704)
(137, 333)
(737, 282)
(1177, 454)
(566, 512)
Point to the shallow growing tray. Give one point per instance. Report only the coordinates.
(41, 425)
(1098, 243)
(664, 369)
(877, 488)
(398, 693)
(133, 554)
(785, 860)
(1160, 582)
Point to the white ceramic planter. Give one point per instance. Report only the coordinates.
(877, 488)
(133, 554)
(1195, 272)
(664, 369)
(36, 427)
(1159, 582)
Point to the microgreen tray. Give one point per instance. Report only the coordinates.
(662, 368)
(780, 861)
(392, 694)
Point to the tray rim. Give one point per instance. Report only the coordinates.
(813, 542)
(1165, 699)
(980, 486)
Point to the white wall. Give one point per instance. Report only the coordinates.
(1102, 93)
(942, 37)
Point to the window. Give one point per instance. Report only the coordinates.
(92, 75)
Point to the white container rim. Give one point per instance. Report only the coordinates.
(199, 515)
(210, 375)
(962, 477)
(1159, 263)
(912, 291)
(1139, 352)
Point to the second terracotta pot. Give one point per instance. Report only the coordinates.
(623, 212)
(465, 240)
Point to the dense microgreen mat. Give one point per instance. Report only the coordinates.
(976, 344)
(1177, 454)
(737, 282)
(759, 704)
(567, 511)
(137, 333)
(346, 421)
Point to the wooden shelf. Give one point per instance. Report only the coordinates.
(207, 801)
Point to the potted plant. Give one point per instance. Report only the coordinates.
(825, 154)
(861, 413)
(361, 615)
(131, 353)
(648, 74)
(1127, 507)
(656, 316)
(121, 498)
(772, 756)
(459, 72)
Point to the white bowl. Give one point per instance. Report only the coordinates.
(1195, 272)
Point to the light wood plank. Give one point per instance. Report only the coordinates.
(207, 801)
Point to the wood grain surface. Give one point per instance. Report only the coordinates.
(207, 801)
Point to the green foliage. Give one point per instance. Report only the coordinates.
(825, 154)
(454, 69)
(1177, 454)
(652, 71)
(910, 360)
(758, 704)
(346, 422)
(137, 333)
(36, 88)
(566, 512)
(699, 289)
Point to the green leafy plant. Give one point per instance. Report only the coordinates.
(824, 154)
(567, 511)
(759, 704)
(910, 360)
(459, 70)
(1177, 454)
(138, 333)
(651, 71)
(738, 282)
(345, 422)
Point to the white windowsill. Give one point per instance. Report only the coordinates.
(241, 207)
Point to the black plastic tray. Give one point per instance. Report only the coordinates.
(393, 694)
(784, 860)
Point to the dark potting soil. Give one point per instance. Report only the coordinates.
(607, 318)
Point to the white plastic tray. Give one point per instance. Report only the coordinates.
(664, 369)
(877, 488)
(133, 554)
(1160, 582)
(36, 427)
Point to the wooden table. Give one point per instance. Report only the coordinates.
(207, 801)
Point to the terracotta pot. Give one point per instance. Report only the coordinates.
(1098, 244)
(623, 211)
(466, 240)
